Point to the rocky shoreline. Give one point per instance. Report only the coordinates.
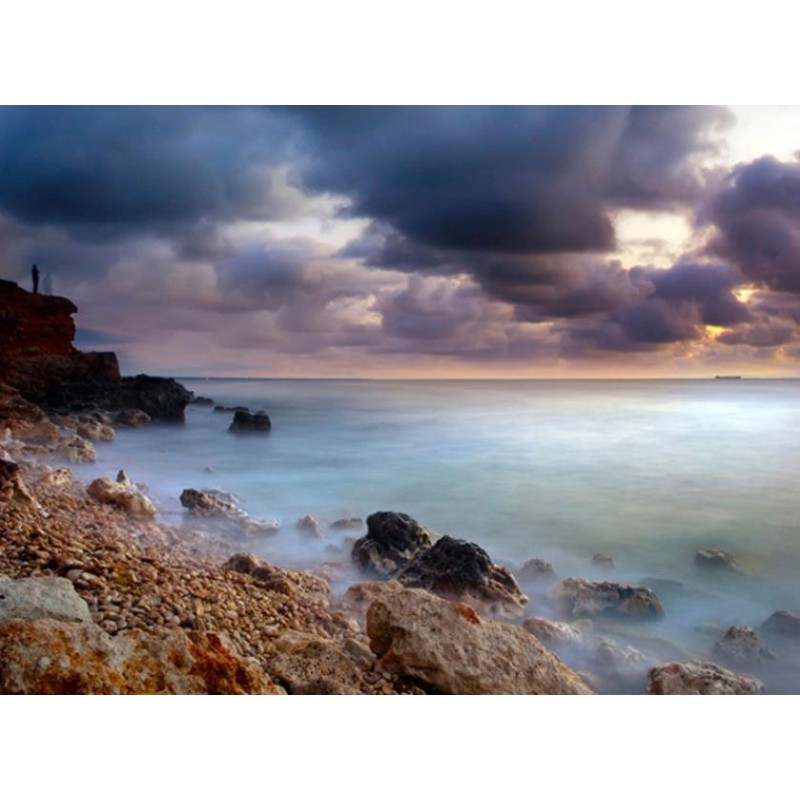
(98, 596)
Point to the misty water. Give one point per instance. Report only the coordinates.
(645, 471)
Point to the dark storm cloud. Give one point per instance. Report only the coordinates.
(104, 171)
(757, 215)
(515, 180)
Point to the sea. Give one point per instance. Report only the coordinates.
(645, 471)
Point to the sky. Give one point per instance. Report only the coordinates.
(414, 242)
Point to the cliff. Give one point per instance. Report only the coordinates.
(39, 361)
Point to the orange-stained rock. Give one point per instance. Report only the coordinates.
(47, 656)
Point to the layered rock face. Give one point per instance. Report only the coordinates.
(40, 365)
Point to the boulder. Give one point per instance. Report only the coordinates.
(741, 644)
(603, 560)
(618, 661)
(536, 569)
(553, 634)
(391, 541)
(446, 646)
(700, 677)
(160, 398)
(310, 526)
(459, 570)
(245, 422)
(77, 450)
(214, 505)
(578, 597)
(123, 495)
(712, 558)
(309, 664)
(360, 596)
(347, 524)
(56, 477)
(131, 418)
(41, 598)
(48, 656)
(781, 624)
(12, 487)
(95, 431)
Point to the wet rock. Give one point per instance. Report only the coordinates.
(309, 664)
(214, 505)
(553, 634)
(310, 526)
(781, 624)
(741, 644)
(122, 495)
(578, 597)
(448, 647)
(131, 418)
(41, 598)
(616, 660)
(347, 524)
(95, 432)
(231, 408)
(391, 541)
(77, 450)
(700, 677)
(603, 560)
(536, 569)
(245, 422)
(47, 656)
(459, 570)
(713, 559)
(201, 401)
(160, 398)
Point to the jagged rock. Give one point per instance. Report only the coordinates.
(391, 541)
(742, 644)
(122, 495)
(578, 597)
(309, 525)
(447, 646)
(459, 570)
(131, 418)
(211, 504)
(49, 656)
(603, 560)
(275, 579)
(781, 623)
(347, 524)
(77, 450)
(96, 432)
(553, 634)
(360, 596)
(712, 558)
(12, 487)
(536, 569)
(700, 677)
(308, 664)
(41, 598)
(245, 422)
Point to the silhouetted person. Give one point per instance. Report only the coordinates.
(47, 283)
(35, 276)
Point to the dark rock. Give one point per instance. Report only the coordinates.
(459, 570)
(206, 504)
(578, 597)
(131, 418)
(603, 560)
(392, 540)
(347, 524)
(781, 623)
(309, 525)
(231, 408)
(201, 401)
(245, 422)
(700, 677)
(712, 558)
(742, 644)
(536, 569)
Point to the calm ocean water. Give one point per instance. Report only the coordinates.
(646, 471)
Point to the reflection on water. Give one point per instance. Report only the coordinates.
(647, 471)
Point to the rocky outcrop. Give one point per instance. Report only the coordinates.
(781, 624)
(535, 569)
(123, 495)
(47, 597)
(347, 524)
(741, 644)
(578, 597)
(77, 450)
(700, 677)
(712, 558)
(392, 540)
(131, 418)
(309, 664)
(459, 570)
(217, 506)
(448, 648)
(245, 422)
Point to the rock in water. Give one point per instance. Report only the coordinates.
(781, 623)
(536, 569)
(131, 418)
(742, 644)
(448, 647)
(47, 597)
(48, 656)
(700, 677)
(123, 495)
(215, 505)
(245, 422)
(578, 597)
(459, 570)
(603, 560)
(712, 558)
(392, 540)
(553, 634)
(77, 450)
